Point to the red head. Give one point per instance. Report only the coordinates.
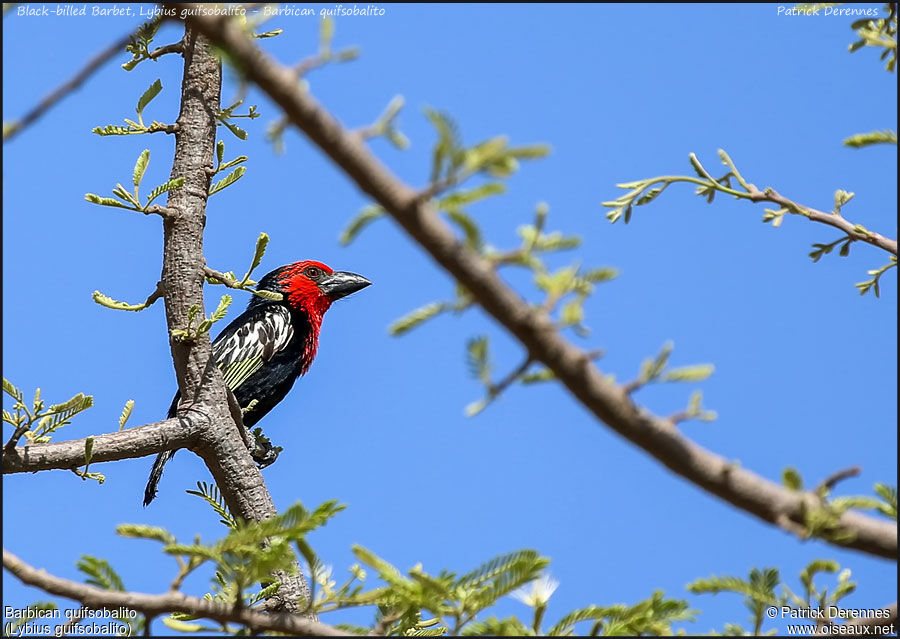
(311, 286)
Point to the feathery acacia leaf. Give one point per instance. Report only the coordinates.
(100, 573)
(140, 167)
(416, 317)
(147, 96)
(366, 216)
(164, 188)
(228, 180)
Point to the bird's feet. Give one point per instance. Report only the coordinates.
(264, 453)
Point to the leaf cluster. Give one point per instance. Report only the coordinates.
(192, 332)
(880, 32)
(759, 592)
(226, 115)
(824, 518)
(37, 421)
(230, 280)
(139, 47)
(125, 199)
(136, 128)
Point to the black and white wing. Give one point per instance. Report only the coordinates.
(252, 341)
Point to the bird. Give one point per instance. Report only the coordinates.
(263, 351)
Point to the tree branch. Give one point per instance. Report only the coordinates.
(175, 47)
(609, 403)
(169, 434)
(855, 231)
(153, 605)
(11, 130)
(221, 444)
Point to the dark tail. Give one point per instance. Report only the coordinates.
(161, 459)
(156, 474)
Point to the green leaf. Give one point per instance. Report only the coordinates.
(496, 567)
(148, 95)
(112, 129)
(106, 201)
(229, 179)
(238, 160)
(650, 195)
(218, 314)
(572, 312)
(543, 375)
(269, 34)
(238, 132)
(100, 573)
(463, 198)
(261, 243)
(126, 413)
(468, 226)
(74, 405)
(874, 137)
(530, 152)
(841, 197)
(604, 274)
(140, 167)
(211, 495)
(108, 302)
(183, 626)
(10, 389)
(416, 317)
(816, 566)
(558, 283)
(366, 216)
(696, 373)
(171, 185)
(88, 451)
(141, 531)
(791, 478)
(889, 495)
(478, 359)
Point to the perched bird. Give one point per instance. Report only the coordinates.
(268, 346)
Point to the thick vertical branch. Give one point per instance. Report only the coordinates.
(221, 446)
(195, 142)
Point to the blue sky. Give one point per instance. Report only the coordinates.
(805, 367)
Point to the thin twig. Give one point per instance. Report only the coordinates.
(224, 279)
(854, 231)
(66, 88)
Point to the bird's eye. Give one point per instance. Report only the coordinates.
(313, 273)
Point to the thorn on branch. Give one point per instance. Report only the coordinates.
(162, 211)
(829, 482)
(175, 47)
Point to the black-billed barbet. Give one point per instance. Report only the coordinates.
(272, 343)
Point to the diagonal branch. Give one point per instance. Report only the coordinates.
(572, 366)
(15, 127)
(169, 434)
(153, 605)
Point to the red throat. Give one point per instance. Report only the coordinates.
(304, 295)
